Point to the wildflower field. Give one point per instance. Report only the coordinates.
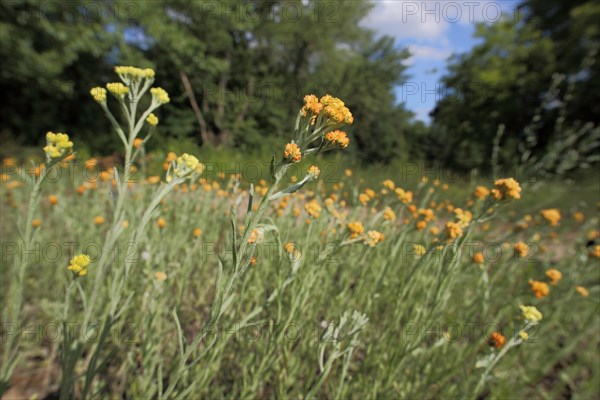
(176, 278)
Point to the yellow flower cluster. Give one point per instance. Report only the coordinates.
(160, 95)
(311, 105)
(356, 229)
(57, 145)
(184, 165)
(453, 230)
(531, 313)
(292, 152)
(336, 110)
(117, 89)
(338, 138)
(419, 250)
(133, 73)
(404, 196)
(99, 94)
(506, 189)
(373, 238)
(314, 172)
(463, 218)
(152, 119)
(554, 275)
(389, 214)
(313, 208)
(521, 248)
(551, 215)
(79, 264)
(481, 192)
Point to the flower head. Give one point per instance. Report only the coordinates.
(129, 74)
(539, 289)
(523, 335)
(312, 106)
(292, 152)
(478, 258)
(453, 230)
(595, 252)
(481, 192)
(404, 196)
(531, 313)
(313, 172)
(57, 145)
(336, 111)
(463, 218)
(582, 291)
(137, 142)
(185, 165)
(554, 275)
(117, 89)
(506, 189)
(99, 94)
(373, 238)
(79, 264)
(551, 215)
(313, 208)
(255, 236)
(389, 214)
(337, 138)
(419, 250)
(497, 340)
(356, 229)
(521, 248)
(159, 95)
(152, 120)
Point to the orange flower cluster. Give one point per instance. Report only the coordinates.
(481, 192)
(539, 289)
(551, 215)
(497, 340)
(338, 138)
(313, 208)
(506, 189)
(554, 275)
(311, 105)
(292, 152)
(336, 110)
(521, 248)
(373, 238)
(356, 229)
(453, 230)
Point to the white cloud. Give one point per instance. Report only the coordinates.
(404, 19)
(427, 53)
(410, 19)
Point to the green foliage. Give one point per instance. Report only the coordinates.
(237, 70)
(535, 79)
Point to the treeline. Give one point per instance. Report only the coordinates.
(237, 71)
(528, 95)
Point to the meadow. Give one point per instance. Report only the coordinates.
(298, 276)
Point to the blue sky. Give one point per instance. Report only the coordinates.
(433, 31)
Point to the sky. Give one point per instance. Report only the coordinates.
(432, 31)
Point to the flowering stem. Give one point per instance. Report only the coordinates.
(9, 360)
